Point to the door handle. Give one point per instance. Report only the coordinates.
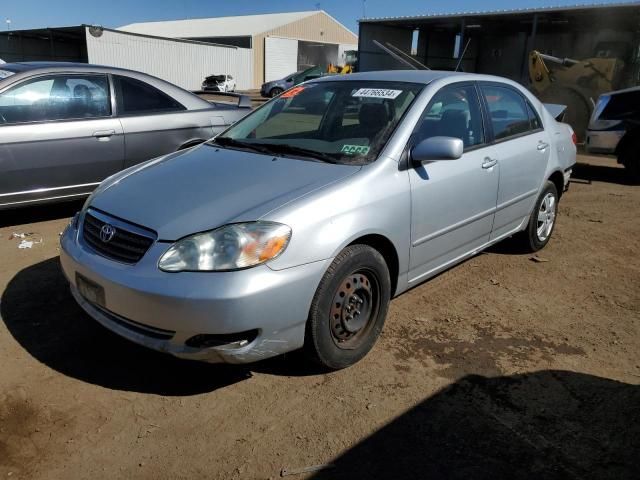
(542, 145)
(489, 162)
(104, 133)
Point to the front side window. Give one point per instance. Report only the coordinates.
(453, 112)
(136, 97)
(339, 121)
(56, 97)
(507, 110)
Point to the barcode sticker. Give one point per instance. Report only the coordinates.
(376, 93)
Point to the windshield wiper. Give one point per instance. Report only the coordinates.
(232, 142)
(293, 150)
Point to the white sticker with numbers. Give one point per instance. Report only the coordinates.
(377, 93)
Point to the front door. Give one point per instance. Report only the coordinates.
(452, 201)
(57, 137)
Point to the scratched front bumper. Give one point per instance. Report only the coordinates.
(276, 303)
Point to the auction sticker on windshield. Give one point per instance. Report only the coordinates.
(376, 93)
(355, 149)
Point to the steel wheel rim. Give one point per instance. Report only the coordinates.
(546, 216)
(354, 308)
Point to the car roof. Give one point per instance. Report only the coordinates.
(56, 66)
(26, 69)
(414, 76)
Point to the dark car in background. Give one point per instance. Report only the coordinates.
(65, 127)
(276, 87)
(614, 128)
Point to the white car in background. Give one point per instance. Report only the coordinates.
(219, 83)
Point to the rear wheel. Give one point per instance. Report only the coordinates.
(542, 220)
(275, 91)
(349, 308)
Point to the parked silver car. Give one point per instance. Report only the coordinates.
(295, 227)
(65, 127)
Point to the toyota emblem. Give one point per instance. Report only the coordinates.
(107, 232)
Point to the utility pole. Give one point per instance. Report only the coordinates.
(364, 8)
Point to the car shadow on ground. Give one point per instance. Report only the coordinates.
(542, 425)
(45, 320)
(39, 213)
(584, 172)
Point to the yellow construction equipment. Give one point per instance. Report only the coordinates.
(350, 61)
(340, 69)
(574, 83)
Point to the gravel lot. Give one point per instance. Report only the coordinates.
(502, 367)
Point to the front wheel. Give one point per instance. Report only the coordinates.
(542, 220)
(349, 308)
(275, 92)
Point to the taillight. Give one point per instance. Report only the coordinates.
(574, 137)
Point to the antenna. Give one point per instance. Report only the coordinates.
(364, 8)
(462, 56)
(8, 20)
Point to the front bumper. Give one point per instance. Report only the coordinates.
(275, 303)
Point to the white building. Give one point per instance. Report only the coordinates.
(183, 62)
(279, 43)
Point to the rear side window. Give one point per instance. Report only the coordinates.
(136, 97)
(56, 97)
(508, 112)
(534, 120)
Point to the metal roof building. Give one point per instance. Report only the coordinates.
(280, 43)
(182, 62)
(498, 42)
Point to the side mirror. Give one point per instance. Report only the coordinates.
(437, 148)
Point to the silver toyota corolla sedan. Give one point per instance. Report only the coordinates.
(296, 226)
(65, 127)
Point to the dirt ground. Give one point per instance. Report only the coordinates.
(501, 367)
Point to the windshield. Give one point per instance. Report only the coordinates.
(337, 121)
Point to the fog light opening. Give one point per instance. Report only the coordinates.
(234, 340)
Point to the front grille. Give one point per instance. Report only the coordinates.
(125, 246)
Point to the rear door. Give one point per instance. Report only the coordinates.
(521, 147)
(57, 137)
(155, 123)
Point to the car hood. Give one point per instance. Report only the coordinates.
(206, 187)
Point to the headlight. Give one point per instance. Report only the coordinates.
(232, 247)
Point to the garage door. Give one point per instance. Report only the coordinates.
(280, 57)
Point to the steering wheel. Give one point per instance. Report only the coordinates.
(2, 119)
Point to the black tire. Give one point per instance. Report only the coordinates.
(532, 240)
(275, 91)
(630, 158)
(356, 284)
